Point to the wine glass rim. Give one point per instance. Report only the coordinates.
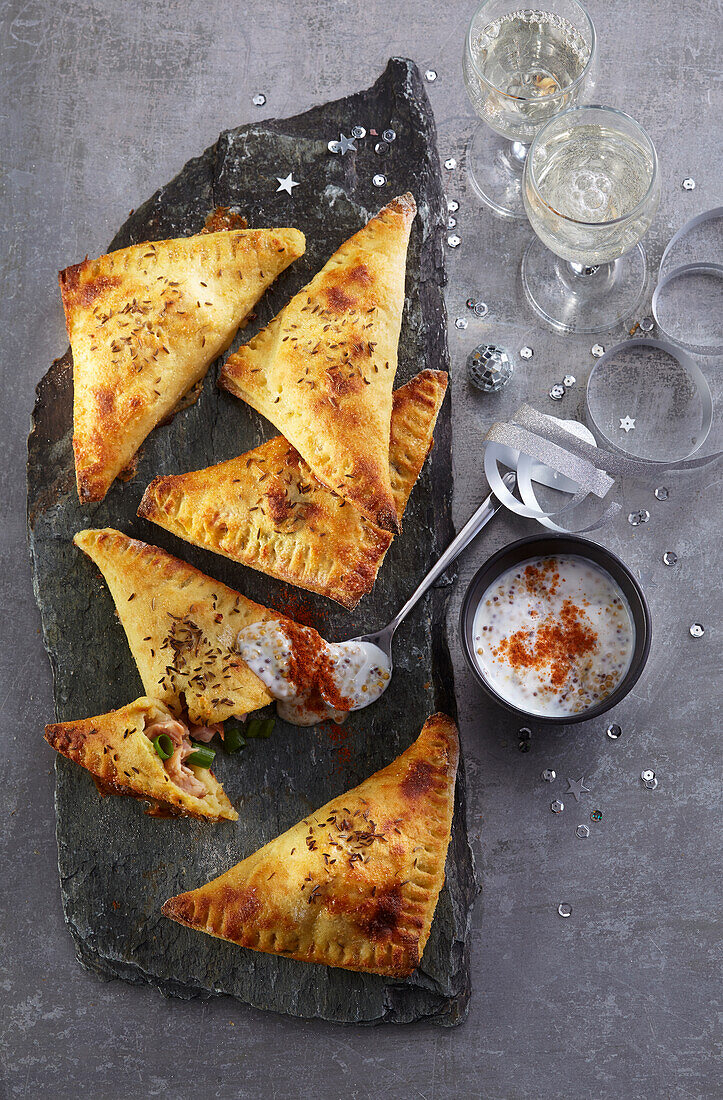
(531, 99)
(530, 169)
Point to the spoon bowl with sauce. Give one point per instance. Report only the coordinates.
(555, 628)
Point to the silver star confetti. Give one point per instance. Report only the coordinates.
(345, 144)
(627, 423)
(646, 580)
(670, 557)
(575, 787)
(286, 183)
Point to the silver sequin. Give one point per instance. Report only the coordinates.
(597, 350)
(430, 76)
(557, 392)
(636, 518)
(557, 806)
(647, 324)
(661, 493)
(452, 206)
(333, 146)
(389, 135)
(381, 148)
(549, 775)
(461, 322)
(454, 241)
(451, 222)
(697, 630)
(526, 352)
(689, 184)
(569, 380)
(259, 99)
(564, 909)
(450, 164)
(358, 132)
(379, 181)
(670, 557)
(582, 831)
(614, 731)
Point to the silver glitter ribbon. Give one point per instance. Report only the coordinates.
(549, 451)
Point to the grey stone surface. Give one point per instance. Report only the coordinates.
(105, 102)
(121, 933)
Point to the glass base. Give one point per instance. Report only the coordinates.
(494, 168)
(595, 300)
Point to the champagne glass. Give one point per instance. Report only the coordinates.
(591, 189)
(521, 67)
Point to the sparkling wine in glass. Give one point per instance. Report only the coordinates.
(591, 189)
(522, 66)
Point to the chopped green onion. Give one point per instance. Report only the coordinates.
(163, 745)
(267, 728)
(202, 756)
(253, 728)
(233, 736)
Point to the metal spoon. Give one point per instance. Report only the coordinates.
(383, 638)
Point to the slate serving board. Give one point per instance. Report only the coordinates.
(116, 864)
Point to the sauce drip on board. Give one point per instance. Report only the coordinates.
(553, 636)
(311, 679)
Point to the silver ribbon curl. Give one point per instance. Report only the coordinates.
(543, 449)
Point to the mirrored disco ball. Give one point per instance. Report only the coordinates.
(489, 368)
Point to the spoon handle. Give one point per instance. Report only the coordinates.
(487, 509)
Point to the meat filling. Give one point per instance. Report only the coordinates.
(180, 734)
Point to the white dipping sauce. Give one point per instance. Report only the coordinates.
(553, 636)
(311, 679)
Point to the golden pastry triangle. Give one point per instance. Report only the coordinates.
(266, 509)
(354, 884)
(145, 323)
(181, 627)
(323, 371)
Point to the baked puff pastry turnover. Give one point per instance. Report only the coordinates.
(354, 884)
(323, 371)
(145, 323)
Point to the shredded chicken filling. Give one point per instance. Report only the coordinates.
(180, 733)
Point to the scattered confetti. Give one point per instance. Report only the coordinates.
(451, 222)
(661, 493)
(333, 146)
(526, 352)
(670, 557)
(389, 135)
(697, 630)
(597, 350)
(636, 518)
(596, 815)
(452, 206)
(627, 423)
(614, 731)
(557, 806)
(646, 579)
(379, 180)
(381, 148)
(569, 380)
(689, 184)
(358, 132)
(454, 241)
(450, 164)
(346, 144)
(259, 99)
(576, 787)
(582, 831)
(549, 775)
(430, 76)
(286, 183)
(564, 909)
(461, 322)
(557, 392)
(647, 324)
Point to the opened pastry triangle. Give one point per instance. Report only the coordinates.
(145, 323)
(266, 509)
(117, 749)
(323, 371)
(181, 627)
(353, 885)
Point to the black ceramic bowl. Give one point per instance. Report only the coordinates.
(539, 546)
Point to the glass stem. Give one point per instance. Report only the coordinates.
(581, 271)
(518, 154)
